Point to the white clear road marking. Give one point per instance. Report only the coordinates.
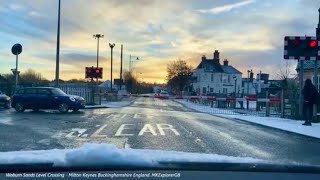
(76, 132)
(137, 116)
(123, 127)
(96, 134)
(161, 127)
(147, 128)
(116, 116)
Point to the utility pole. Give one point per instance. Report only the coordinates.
(121, 80)
(111, 46)
(58, 47)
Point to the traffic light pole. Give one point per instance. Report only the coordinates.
(16, 74)
(301, 87)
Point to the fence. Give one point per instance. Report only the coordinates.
(243, 106)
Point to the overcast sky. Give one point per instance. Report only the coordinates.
(249, 33)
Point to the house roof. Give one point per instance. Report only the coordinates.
(308, 64)
(230, 70)
(211, 65)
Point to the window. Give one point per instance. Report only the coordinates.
(220, 77)
(204, 90)
(212, 78)
(229, 79)
(30, 91)
(211, 89)
(43, 92)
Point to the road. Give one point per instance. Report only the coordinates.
(149, 123)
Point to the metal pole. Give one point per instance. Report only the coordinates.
(235, 87)
(58, 48)
(98, 53)
(111, 66)
(121, 66)
(130, 62)
(248, 89)
(16, 74)
(301, 79)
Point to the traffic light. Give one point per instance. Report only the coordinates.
(89, 71)
(98, 73)
(304, 48)
(94, 72)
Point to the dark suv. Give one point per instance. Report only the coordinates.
(46, 98)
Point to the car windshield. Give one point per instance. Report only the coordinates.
(234, 80)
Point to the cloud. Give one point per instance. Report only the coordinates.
(225, 8)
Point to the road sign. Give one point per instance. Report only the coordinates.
(16, 49)
(301, 47)
(118, 82)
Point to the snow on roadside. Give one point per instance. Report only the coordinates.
(281, 123)
(203, 108)
(107, 154)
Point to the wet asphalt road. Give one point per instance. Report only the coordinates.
(149, 123)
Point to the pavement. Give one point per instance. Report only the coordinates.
(148, 123)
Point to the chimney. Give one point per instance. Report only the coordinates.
(226, 62)
(251, 76)
(216, 54)
(203, 58)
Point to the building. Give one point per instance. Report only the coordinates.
(212, 77)
(308, 67)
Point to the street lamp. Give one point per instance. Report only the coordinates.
(130, 63)
(235, 85)
(98, 36)
(58, 47)
(111, 46)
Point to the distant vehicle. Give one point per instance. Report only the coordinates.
(4, 100)
(46, 98)
(164, 95)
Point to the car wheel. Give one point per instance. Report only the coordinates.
(19, 107)
(75, 110)
(63, 108)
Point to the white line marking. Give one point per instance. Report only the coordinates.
(77, 132)
(96, 134)
(121, 128)
(137, 116)
(147, 128)
(168, 126)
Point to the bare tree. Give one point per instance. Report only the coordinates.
(179, 74)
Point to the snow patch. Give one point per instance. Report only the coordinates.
(107, 154)
(281, 123)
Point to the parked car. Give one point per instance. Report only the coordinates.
(46, 98)
(164, 95)
(4, 100)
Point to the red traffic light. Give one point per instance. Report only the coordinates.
(89, 71)
(296, 42)
(97, 71)
(313, 43)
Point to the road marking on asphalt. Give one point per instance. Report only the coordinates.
(147, 128)
(161, 127)
(76, 132)
(137, 116)
(96, 133)
(121, 128)
(118, 116)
